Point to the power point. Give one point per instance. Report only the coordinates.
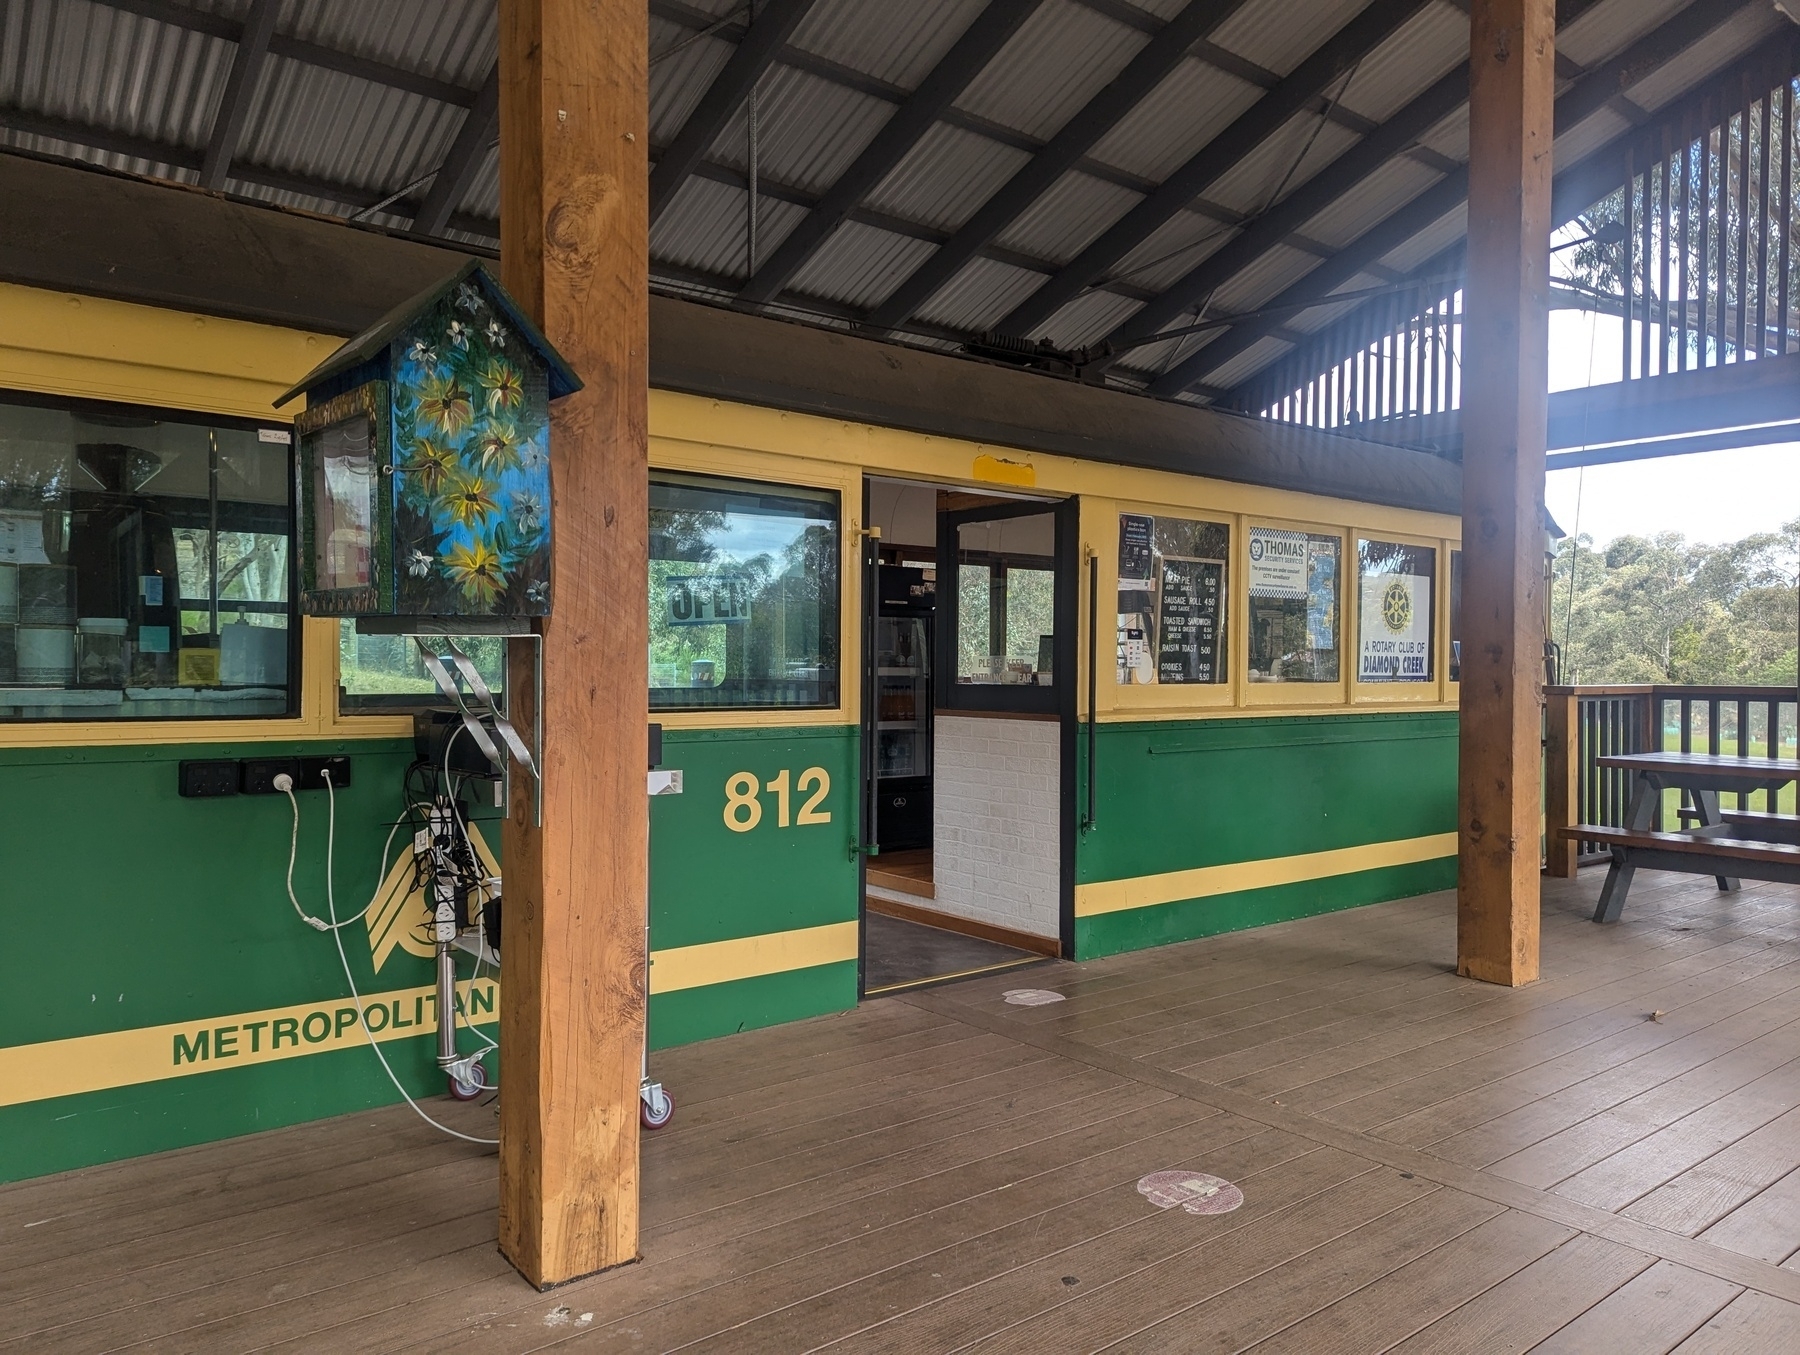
(259, 776)
(202, 780)
(313, 772)
(283, 782)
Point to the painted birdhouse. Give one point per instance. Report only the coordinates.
(424, 461)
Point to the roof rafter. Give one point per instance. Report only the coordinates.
(298, 49)
(240, 90)
(1586, 97)
(679, 12)
(187, 158)
(1099, 115)
(970, 55)
(1278, 225)
(767, 35)
(1576, 189)
(464, 159)
(1275, 226)
(1263, 119)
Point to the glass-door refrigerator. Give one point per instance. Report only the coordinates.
(903, 709)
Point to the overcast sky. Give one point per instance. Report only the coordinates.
(1709, 496)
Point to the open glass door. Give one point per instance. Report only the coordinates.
(1004, 586)
(1004, 738)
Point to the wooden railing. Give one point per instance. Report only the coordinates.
(1582, 724)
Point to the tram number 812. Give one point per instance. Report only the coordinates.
(743, 803)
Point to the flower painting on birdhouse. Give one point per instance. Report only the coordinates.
(459, 523)
(472, 463)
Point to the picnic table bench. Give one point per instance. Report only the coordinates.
(1729, 845)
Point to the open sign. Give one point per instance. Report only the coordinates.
(706, 600)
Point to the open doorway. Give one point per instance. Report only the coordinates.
(968, 616)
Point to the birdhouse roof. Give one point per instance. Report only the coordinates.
(379, 335)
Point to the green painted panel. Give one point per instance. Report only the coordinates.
(65, 1132)
(1136, 928)
(1176, 795)
(147, 908)
(711, 883)
(726, 1008)
(1173, 796)
(140, 908)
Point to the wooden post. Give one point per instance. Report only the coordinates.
(1562, 784)
(574, 228)
(1505, 404)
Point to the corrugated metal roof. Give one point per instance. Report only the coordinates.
(1180, 244)
(808, 130)
(859, 265)
(1429, 45)
(985, 291)
(896, 43)
(1066, 218)
(360, 101)
(1278, 35)
(1061, 57)
(1191, 105)
(947, 175)
(1304, 145)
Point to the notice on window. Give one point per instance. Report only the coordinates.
(1136, 549)
(1188, 609)
(1321, 595)
(1396, 629)
(1278, 563)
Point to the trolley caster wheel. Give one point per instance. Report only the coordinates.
(655, 1107)
(468, 1091)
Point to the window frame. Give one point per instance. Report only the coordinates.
(1430, 691)
(1331, 693)
(833, 629)
(84, 726)
(975, 698)
(1183, 696)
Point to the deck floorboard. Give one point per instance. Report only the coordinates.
(1608, 1160)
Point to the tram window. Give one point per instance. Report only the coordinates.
(1173, 586)
(1293, 601)
(145, 564)
(1397, 612)
(387, 672)
(743, 594)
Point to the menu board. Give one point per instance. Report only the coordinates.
(1187, 631)
(1171, 600)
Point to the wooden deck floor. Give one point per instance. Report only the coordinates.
(1607, 1161)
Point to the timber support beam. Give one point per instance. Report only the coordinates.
(574, 113)
(1512, 47)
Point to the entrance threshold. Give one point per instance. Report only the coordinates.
(906, 952)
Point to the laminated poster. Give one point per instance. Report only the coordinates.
(1321, 595)
(1395, 643)
(1278, 563)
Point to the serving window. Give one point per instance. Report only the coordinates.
(744, 594)
(145, 564)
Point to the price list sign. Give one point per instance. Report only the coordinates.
(1188, 610)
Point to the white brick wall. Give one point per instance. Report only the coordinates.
(996, 797)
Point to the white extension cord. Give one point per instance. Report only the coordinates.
(285, 784)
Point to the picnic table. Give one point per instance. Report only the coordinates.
(1726, 844)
